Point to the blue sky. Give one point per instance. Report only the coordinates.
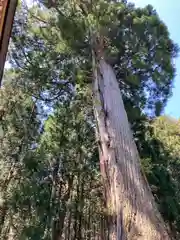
(169, 12)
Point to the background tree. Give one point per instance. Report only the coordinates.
(54, 67)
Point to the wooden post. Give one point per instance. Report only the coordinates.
(7, 12)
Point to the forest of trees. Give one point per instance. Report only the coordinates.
(72, 166)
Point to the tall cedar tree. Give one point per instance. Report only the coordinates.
(131, 60)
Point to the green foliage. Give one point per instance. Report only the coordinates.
(19, 133)
(136, 42)
(52, 178)
(158, 145)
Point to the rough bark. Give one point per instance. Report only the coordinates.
(129, 198)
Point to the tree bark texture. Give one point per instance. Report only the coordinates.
(129, 199)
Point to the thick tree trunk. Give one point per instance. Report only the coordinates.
(129, 198)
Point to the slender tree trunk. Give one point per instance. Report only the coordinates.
(58, 225)
(89, 225)
(129, 198)
(4, 187)
(69, 226)
(81, 206)
(102, 227)
(11, 235)
(76, 215)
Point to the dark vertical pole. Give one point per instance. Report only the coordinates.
(7, 12)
